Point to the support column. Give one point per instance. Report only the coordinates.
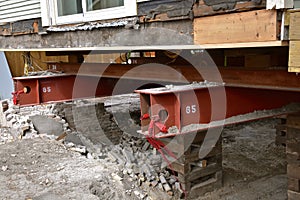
(197, 176)
(293, 156)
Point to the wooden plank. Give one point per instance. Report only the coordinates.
(294, 69)
(194, 156)
(293, 195)
(293, 171)
(252, 26)
(245, 45)
(287, 18)
(294, 184)
(293, 158)
(292, 147)
(180, 167)
(294, 26)
(294, 58)
(293, 120)
(203, 188)
(202, 172)
(293, 134)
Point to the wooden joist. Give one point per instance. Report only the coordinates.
(252, 26)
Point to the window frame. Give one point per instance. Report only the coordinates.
(50, 13)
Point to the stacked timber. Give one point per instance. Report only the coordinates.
(281, 130)
(293, 156)
(196, 175)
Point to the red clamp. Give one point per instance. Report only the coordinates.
(155, 121)
(145, 116)
(16, 94)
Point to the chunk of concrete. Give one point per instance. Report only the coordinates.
(46, 125)
(74, 138)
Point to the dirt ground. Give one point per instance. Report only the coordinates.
(43, 169)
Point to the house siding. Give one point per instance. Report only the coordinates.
(17, 10)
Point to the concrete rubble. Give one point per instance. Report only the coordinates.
(132, 159)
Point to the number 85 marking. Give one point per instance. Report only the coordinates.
(191, 109)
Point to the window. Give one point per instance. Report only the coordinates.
(98, 4)
(56, 12)
(69, 7)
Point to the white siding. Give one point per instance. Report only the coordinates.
(297, 4)
(16, 10)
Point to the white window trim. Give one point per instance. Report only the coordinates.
(50, 13)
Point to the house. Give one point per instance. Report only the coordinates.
(252, 43)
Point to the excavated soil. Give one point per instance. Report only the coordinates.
(41, 168)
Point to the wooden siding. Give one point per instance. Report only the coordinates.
(16, 10)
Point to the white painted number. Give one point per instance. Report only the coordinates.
(46, 89)
(191, 109)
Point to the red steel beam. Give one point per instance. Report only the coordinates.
(205, 104)
(58, 88)
(279, 78)
(67, 87)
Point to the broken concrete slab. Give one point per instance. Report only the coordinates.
(74, 138)
(46, 125)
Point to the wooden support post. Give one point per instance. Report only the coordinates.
(197, 176)
(294, 35)
(293, 156)
(281, 130)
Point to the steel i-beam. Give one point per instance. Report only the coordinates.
(179, 106)
(45, 89)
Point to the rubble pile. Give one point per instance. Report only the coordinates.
(142, 166)
(21, 122)
(91, 129)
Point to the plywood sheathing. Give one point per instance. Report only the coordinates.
(251, 26)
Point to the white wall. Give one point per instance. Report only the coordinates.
(6, 82)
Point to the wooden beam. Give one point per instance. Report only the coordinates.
(294, 58)
(294, 26)
(245, 45)
(252, 26)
